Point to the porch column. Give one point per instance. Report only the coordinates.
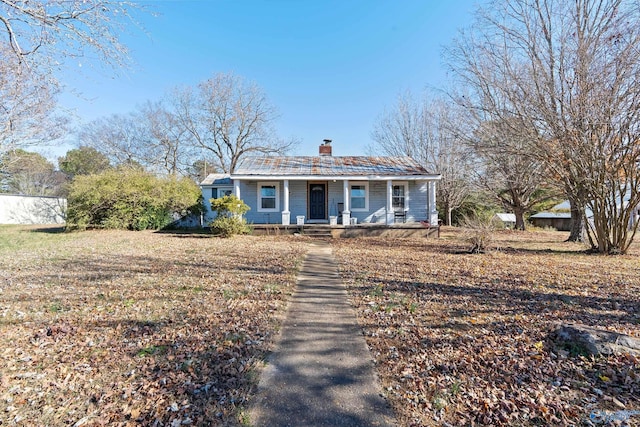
(346, 213)
(236, 192)
(390, 217)
(236, 188)
(286, 215)
(433, 212)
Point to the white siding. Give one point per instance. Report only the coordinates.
(417, 199)
(297, 199)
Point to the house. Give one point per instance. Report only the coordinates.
(327, 189)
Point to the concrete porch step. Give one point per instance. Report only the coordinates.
(315, 230)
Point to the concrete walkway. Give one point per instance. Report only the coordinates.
(321, 372)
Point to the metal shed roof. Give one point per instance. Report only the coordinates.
(553, 215)
(331, 166)
(506, 217)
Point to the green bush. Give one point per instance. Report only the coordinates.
(131, 199)
(229, 226)
(229, 221)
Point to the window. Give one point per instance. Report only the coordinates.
(399, 196)
(359, 197)
(268, 197)
(217, 193)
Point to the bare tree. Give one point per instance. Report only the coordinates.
(45, 33)
(26, 106)
(571, 68)
(509, 172)
(37, 38)
(430, 132)
(229, 118)
(150, 136)
(166, 143)
(117, 136)
(210, 127)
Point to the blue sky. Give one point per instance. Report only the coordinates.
(329, 67)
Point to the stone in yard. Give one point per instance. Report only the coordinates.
(593, 341)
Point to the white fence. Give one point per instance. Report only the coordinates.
(32, 209)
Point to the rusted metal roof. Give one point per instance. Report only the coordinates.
(330, 166)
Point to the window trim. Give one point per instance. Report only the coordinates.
(269, 184)
(365, 184)
(220, 190)
(404, 184)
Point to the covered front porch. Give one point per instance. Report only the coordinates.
(338, 201)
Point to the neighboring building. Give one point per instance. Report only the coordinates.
(16, 209)
(561, 221)
(328, 189)
(506, 219)
(558, 217)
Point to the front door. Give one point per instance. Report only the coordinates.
(317, 203)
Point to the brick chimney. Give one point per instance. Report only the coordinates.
(325, 147)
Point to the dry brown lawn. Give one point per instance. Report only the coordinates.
(142, 328)
(464, 339)
(136, 328)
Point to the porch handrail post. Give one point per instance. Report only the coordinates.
(346, 213)
(236, 188)
(286, 215)
(390, 213)
(433, 212)
(236, 192)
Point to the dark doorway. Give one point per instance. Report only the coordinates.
(317, 201)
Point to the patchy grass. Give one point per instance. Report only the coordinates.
(462, 339)
(136, 328)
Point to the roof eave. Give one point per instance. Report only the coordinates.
(268, 177)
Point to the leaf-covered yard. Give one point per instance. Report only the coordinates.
(462, 339)
(136, 328)
(142, 328)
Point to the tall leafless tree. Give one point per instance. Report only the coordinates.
(572, 68)
(212, 125)
(516, 179)
(120, 137)
(166, 142)
(39, 38)
(229, 118)
(430, 132)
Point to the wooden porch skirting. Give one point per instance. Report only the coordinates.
(407, 230)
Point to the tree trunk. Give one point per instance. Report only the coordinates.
(577, 222)
(519, 213)
(449, 210)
